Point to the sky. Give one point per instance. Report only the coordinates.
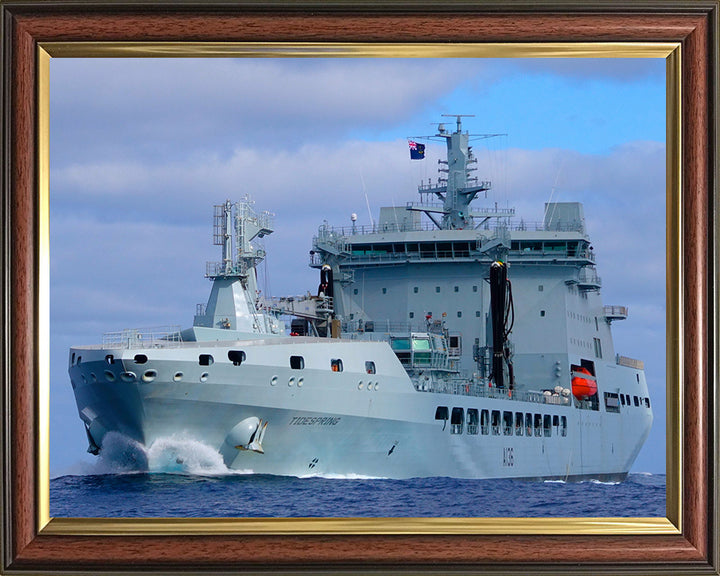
(141, 150)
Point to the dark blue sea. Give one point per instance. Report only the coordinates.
(234, 495)
(178, 477)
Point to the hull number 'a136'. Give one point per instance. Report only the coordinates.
(508, 457)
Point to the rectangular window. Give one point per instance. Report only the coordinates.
(484, 422)
(477, 313)
(507, 423)
(540, 288)
(472, 421)
(384, 290)
(598, 348)
(622, 399)
(519, 424)
(441, 413)
(474, 288)
(547, 427)
(336, 365)
(457, 288)
(611, 402)
(411, 314)
(538, 425)
(355, 291)
(297, 362)
(542, 313)
(528, 425)
(495, 422)
(415, 289)
(206, 360)
(459, 314)
(635, 401)
(370, 367)
(563, 425)
(437, 289)
(457, 420)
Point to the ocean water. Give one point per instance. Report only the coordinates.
(183, 478)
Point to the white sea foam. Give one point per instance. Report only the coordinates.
(171, 455)
(183, 455)
(350, 476)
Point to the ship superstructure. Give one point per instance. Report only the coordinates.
(443, 340)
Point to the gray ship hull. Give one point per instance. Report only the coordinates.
(347, 423)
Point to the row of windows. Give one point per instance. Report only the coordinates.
(637, 400)
(237, 357)
(423, 249)
(416, 289)
(459, 314)
(486, 422)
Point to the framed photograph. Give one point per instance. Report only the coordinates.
(293, 38)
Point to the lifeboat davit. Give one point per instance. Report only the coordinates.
(583, 384)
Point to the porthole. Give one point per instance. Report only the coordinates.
(300, 382)
(109, 376)
(128, 376)
(361, 385)
(291, 382)
(178, 376)
(273, 380)
(149, 375)
(377, 384)
(93, 377)
(83, 378)
(204, 377)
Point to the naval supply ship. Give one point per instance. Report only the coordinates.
(443, 340)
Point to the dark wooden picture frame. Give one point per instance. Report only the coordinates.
(27, 547)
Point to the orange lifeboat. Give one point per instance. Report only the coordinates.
(583, 384)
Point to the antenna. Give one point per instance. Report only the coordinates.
(372, 222)
(457, 119)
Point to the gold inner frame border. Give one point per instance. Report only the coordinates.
(671, 524)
